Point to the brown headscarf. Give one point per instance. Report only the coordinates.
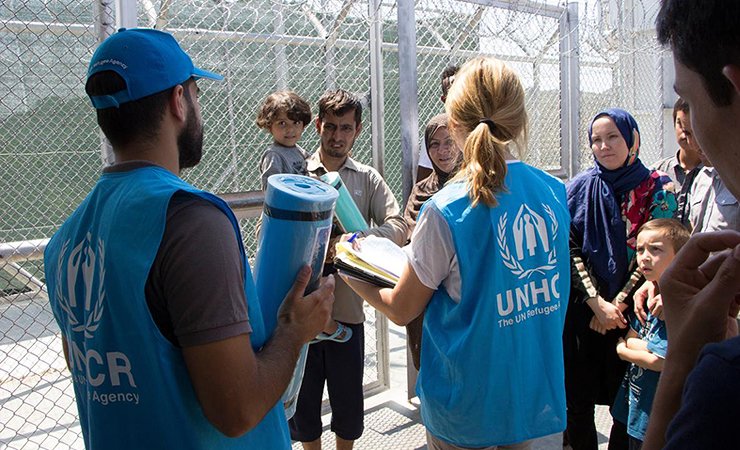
(423, 191)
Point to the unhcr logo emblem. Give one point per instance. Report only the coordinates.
(85, 275)
(532, 236)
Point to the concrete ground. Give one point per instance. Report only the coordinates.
(393, 422)
(37, 408)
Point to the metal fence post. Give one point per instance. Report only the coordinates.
(103, 16)
(126, 14)
(281, 60)
(376, 85)
(408, 95)
(110, 15)
(378, 150)
(569, 90)
(408, 92)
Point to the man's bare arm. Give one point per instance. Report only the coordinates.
(236, 387)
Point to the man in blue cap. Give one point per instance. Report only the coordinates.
(149, 282)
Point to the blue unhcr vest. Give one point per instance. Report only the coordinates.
(132, 386)
(492, 365)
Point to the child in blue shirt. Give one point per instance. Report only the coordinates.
(645, 345)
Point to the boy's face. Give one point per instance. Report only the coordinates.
(654, 253)
(338, 133)
(287, 132)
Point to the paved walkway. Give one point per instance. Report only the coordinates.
(392, 422)
(37, 406)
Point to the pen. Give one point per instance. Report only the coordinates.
(352, 238)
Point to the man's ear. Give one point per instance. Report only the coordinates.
(318, 126)
(178, 103)
(359, 129)
(732, 73)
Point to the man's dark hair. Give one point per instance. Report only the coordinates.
(704, 36)
(131, 121)
(681, 106)
(447, 78)
(339, 103)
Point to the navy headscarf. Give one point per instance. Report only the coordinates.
(594, 201)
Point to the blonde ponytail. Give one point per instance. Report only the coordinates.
(486, 104)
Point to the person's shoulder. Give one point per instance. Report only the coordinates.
(365, 169)
(663, 164)
(576, 183)
(195, 211)
(273, 153)
(357, 166)
(529, 171)
(453, 192)
(727, 351)
(302, 151)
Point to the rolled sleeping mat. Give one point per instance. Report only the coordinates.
(295, 231)
(348, 216)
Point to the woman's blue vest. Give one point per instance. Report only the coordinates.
(492, 364)
(132, 386)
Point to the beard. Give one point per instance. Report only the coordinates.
(336, 153)
(344, 151)
(190, 141)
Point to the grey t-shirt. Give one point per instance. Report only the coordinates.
(195, 289)
(279, 159)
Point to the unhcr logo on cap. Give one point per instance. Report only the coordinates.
(148, 60)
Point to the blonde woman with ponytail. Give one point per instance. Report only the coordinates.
(489, 264)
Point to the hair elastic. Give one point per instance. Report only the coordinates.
(491, 124)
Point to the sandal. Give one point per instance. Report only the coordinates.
(341, 335)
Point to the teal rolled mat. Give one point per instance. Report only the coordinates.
(348, 215)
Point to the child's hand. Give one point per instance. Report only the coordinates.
(655, 305)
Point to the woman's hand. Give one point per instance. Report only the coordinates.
(596, 325)
(645, 291)
(606, 313)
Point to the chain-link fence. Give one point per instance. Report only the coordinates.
(622, 65)
(50, 155)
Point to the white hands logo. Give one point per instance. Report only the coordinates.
(530, 234)
(83, 260)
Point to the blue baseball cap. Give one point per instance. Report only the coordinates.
(150, 61)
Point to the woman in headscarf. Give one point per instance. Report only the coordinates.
(445, 157)
(608, 204)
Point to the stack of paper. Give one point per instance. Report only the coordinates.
(379, 261)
